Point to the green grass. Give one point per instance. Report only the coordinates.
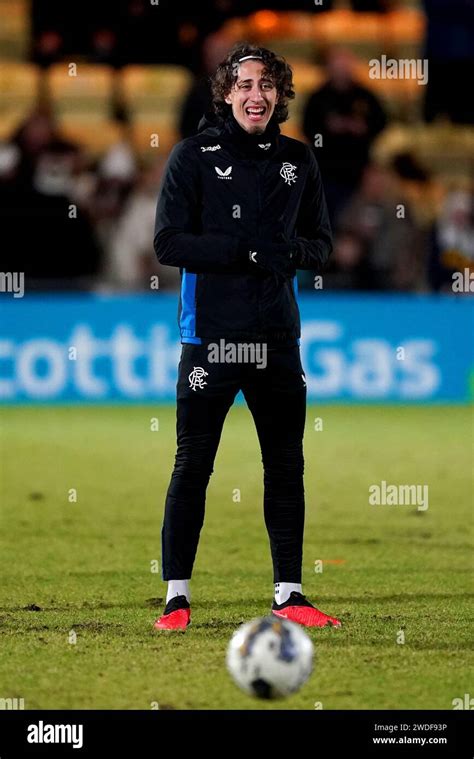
(87, 565)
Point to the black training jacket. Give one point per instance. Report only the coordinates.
(221, 189)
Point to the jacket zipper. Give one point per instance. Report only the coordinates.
(257, 279)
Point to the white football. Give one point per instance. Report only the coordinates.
(270, 657)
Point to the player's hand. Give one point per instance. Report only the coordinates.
(274, 257)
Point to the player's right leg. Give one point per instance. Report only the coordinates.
(205, 392)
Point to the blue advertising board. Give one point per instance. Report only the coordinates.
(355, 348)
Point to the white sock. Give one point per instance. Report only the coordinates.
(283, 590)
(178, 588)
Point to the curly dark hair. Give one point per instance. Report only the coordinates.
(276, 68)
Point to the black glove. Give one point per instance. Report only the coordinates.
(274, 257)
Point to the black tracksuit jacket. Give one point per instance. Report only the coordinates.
(224, 194)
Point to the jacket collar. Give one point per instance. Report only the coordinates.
(248, 145)
(254, 146)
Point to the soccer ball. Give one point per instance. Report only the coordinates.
(270, 657)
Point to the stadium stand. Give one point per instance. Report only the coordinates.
(136, 106)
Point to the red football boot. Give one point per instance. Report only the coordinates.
(298, 609)
(176, 616)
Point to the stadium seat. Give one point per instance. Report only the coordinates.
(14, 28)
(143, 129)
(86, 94)
(442, 147)
(19, 89)
(95, 136)
(154, 90)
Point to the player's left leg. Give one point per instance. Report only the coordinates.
(276, 397)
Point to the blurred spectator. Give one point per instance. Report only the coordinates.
(198, 100)
(36, 136)
(348, 117)
(52, 239)
(449, 48)
(452, 240)
(378, 245)
(11, 199)
(49, 239)
(116, 175)
(56, 249)
(119, 163)
(131, 258)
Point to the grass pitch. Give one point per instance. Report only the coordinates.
(85, 567)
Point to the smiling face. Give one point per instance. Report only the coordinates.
(253, 97)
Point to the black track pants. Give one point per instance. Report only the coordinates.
(276, 397)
